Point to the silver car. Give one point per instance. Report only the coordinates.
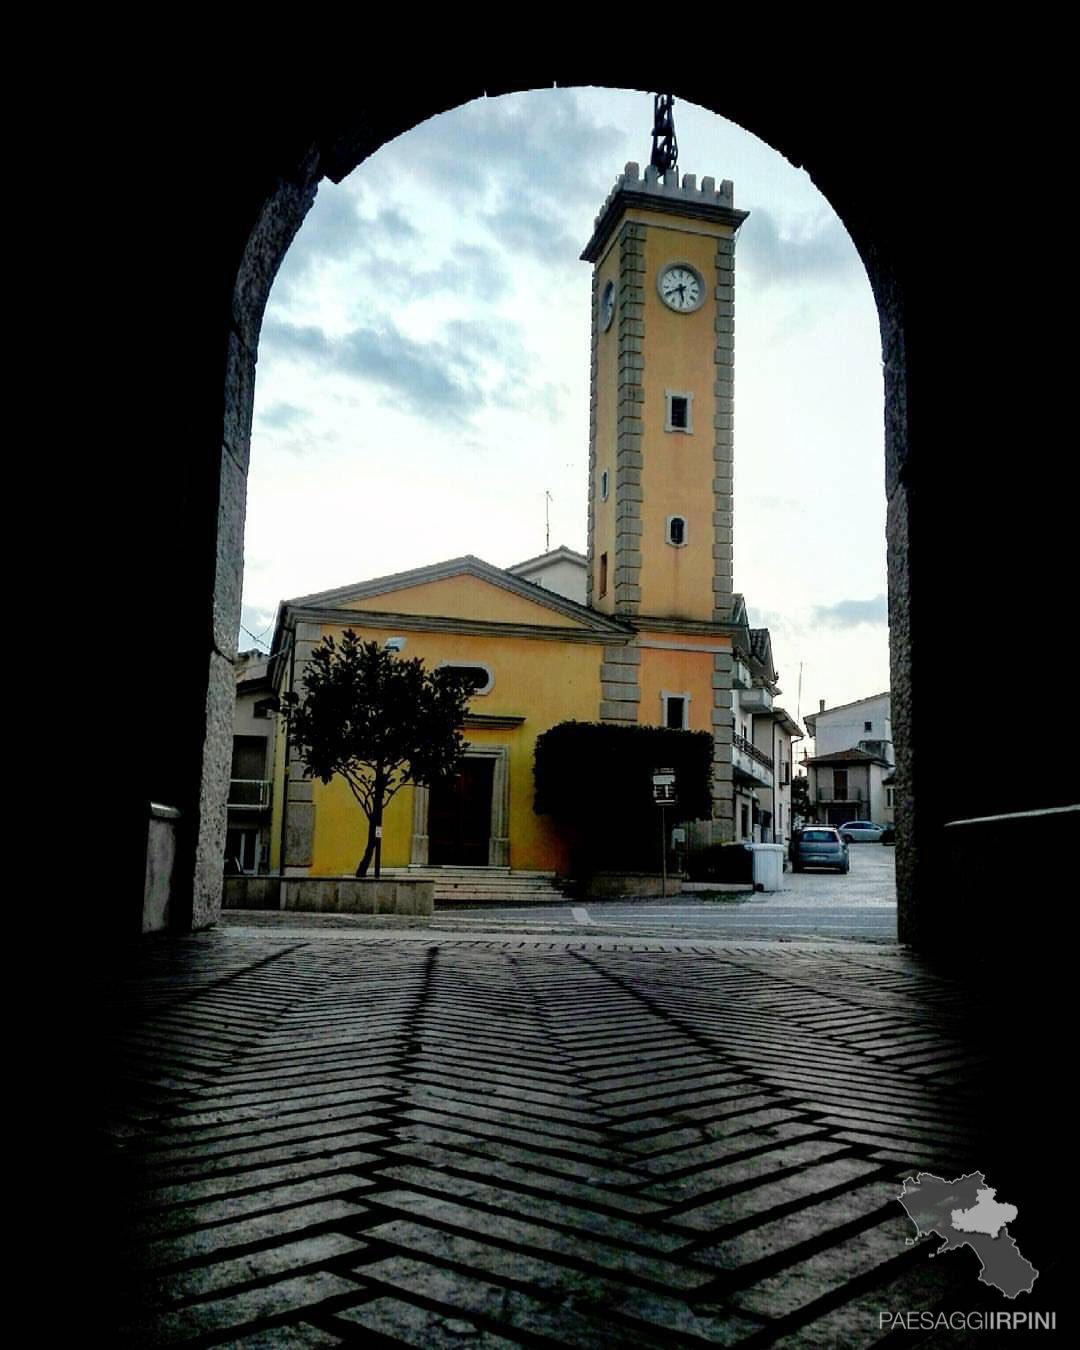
(818, 846)
(861, 832)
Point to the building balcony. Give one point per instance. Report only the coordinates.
(851, 794)
(755, 700)
(249, 794)
(751, 762)
(740, 675)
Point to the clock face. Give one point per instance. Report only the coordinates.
(681, 287)
(607, 306)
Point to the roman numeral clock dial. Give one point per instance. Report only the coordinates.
(681, 287)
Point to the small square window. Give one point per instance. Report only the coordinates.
(678, 411)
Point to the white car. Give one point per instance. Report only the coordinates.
(861, 832)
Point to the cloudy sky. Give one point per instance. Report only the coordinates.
(423, 374)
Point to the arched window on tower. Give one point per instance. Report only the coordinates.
(676, 531)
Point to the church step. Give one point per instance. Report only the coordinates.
(448, 887)
(486, 885)
(478, 873)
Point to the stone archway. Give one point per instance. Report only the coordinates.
(877, 181)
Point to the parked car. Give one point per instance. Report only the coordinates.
(861, 832)
(818, 846)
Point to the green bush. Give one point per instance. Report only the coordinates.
(596, 779)
(721, 862)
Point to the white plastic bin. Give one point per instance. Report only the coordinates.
(768, 866)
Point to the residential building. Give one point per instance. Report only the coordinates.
(865, 724)
(851, 770)
(561, 570)
(247, 836)
(762, 747)
(847, 785)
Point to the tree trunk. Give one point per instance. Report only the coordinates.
(369, 848)
(374, 828)
(377, 814)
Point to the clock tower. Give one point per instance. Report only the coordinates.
(661, 459)
(660, 433)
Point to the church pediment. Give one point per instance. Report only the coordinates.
(466, 589)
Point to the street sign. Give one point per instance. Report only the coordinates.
(663, 787)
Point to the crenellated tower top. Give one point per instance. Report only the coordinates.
(667, 193)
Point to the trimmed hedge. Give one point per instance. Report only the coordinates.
(597, 780)
(721, 862)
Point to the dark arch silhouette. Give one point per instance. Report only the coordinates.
(977, 549)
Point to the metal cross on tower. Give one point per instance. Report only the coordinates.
(665, 148)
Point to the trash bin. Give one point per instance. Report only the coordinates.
(768, 866)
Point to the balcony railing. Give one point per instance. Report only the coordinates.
(748, 760)
(748, 748)
(249, 794)
(851, 794)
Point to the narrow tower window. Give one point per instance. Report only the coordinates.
(676, 531)
(603, 574)
(604, 486)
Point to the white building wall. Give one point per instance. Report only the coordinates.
(843, 728)
(563, 576)
(877, 812)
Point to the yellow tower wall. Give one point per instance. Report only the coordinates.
(603, 416)
(677, 474)
(686, 669)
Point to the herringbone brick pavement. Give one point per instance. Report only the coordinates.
(313, 1140)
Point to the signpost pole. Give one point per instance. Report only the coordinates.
(663, 847)
(663, 794)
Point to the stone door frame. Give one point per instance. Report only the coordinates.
(498, 838)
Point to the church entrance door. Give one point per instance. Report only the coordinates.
(459, 816)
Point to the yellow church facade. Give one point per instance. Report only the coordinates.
(539, 659)
(645, 628)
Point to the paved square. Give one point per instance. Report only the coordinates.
(410, 1138)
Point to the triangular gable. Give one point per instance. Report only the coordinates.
(462, 588)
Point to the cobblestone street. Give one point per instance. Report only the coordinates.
(410, 1138)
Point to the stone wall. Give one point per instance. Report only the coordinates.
(160, 867)
(330, 895)
(626, 885)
